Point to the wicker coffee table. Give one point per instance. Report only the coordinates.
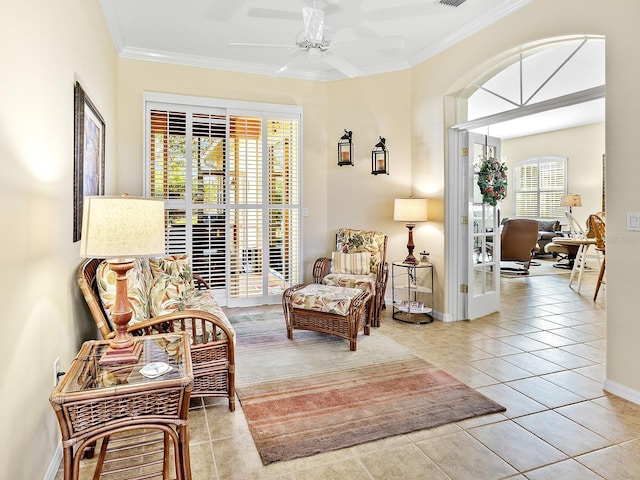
(117, 404)
(338, 311)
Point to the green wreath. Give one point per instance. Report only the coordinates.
(492, 181)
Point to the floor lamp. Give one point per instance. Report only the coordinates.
(570, 201)
(119, 229)
(410, 210)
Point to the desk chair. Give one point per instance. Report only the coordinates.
(597, 225)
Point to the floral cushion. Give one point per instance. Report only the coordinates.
(206, 301)
(160, 286)
(352, 263)
(350, 241)
(168, 294)
(323, 298)
(138, 282)
(175, 266)
(364, 282)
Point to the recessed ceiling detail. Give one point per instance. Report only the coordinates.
(371, 36)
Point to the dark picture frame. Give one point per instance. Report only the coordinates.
(89, 159)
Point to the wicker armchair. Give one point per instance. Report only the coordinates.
(349, 241)
(212, 354)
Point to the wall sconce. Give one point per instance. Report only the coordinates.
(345, 149)
(380, 158)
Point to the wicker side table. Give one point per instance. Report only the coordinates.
(94, 402)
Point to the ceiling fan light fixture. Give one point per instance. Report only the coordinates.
(451, 3)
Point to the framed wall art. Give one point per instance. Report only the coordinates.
(88, 167)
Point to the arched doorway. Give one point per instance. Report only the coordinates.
(560, 77)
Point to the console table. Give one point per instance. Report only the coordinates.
(118, 404)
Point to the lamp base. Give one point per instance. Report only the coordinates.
(114, 356)
(411, 260)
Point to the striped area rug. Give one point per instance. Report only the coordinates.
(311, 394)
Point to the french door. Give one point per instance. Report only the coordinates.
(481, 230)
(230, 179)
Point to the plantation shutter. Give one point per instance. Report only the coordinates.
(230, 182)
(539, 185)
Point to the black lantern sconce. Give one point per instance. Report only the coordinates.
(380, 159)
(345, 149)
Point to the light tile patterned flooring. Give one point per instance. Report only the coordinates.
(542, 357)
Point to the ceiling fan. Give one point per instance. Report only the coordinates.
(312, 43)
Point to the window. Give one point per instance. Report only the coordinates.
(230, 178)
(540, 182)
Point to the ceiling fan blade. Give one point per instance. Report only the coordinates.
(329, 7)
(222, 10)
(342, 65)
(261, 45)
(273, 13)
(289, 65)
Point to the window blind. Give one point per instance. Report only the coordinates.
(231, 185)
(539, 184)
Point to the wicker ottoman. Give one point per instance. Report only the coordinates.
(337, 311)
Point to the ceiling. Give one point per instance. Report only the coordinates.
(364, 37)
(372, 35)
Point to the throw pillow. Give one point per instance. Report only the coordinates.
(350, 263)
(351, 241)
(175, 266)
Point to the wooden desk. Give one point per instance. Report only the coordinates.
(94, 402)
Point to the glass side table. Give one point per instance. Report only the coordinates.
(412, 292)
(94, 402)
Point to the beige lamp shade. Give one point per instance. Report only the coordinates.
(571, 200)
(122, 227)
(410, 210)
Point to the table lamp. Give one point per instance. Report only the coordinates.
(571, 200)
(119, 229)
(410, 210)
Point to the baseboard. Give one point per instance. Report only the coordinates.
(622, 391)
(54, 465)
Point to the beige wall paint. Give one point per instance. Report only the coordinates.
(334, 196)
(45, 47)
(583, 147)
(372, 107)
(449, 72)
(137, 77)
(623, 171)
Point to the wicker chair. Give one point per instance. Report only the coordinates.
(357, 241)
(212, 356)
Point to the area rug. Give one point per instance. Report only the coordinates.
(311, 394)
(541, 267)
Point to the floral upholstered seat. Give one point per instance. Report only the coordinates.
(358, 262)
(158, 286)
(324, 298)
(164, 298)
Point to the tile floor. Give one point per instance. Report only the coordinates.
(542, 357)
